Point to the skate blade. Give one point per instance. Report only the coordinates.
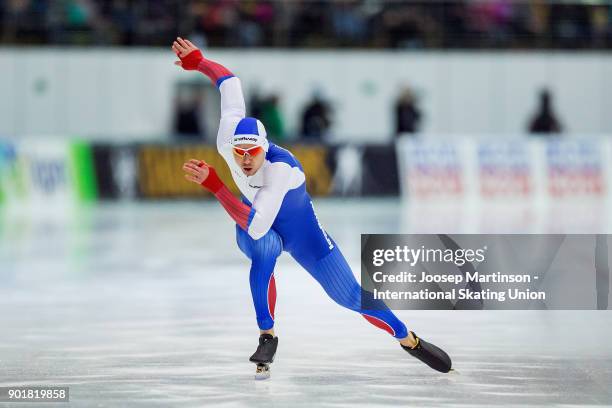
(262, 372)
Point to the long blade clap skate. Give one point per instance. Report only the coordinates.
(264, 355)
(431, 355)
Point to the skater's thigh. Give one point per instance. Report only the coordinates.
(331, 271)
(268, 246)
(244, 241)
(333, 264)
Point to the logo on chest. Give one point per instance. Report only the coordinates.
(244, 179)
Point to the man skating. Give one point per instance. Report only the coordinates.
(277, 214)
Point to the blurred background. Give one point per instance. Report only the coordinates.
(466, 83)
(493, 100)
(461, 116)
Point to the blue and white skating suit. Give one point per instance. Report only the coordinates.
(283, 218)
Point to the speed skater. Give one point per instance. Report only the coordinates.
(276, 214)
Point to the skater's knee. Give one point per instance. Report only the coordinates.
(268, 246)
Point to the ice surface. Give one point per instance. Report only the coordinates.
(149, 305)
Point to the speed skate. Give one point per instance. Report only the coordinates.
(264, 355)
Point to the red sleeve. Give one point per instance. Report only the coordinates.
(213, 70)
(241, 213)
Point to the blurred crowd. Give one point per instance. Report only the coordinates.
(311, 23)
(317, 116)
(315, 123)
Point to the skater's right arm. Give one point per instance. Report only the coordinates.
(205, 175)
(256, 220)
(232, 100)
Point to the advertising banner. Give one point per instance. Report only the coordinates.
(46, 175)
(433, 168)
(116, 170)
(40, 176)
(505, 169)
(9, 181)
(518, 169)
(160, 175)
(577, 168)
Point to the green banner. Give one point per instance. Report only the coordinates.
(84, 175)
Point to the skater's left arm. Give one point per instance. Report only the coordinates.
(232, 100)
(256, 220)
(191, 59)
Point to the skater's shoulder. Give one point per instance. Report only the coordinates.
(277, 154)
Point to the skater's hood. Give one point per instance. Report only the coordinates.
(250, 131)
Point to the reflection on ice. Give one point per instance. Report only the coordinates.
(149, 305)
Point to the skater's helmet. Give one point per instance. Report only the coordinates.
(250, 131)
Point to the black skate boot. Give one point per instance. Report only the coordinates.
(264, 355)
(266, 349)
(431, 355)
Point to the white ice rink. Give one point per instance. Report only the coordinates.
(149, 305)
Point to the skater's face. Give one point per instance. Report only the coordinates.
(249, 157)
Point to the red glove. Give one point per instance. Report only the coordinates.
(240, 212)
(196, 61)
(191, 60)
(212, 183)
